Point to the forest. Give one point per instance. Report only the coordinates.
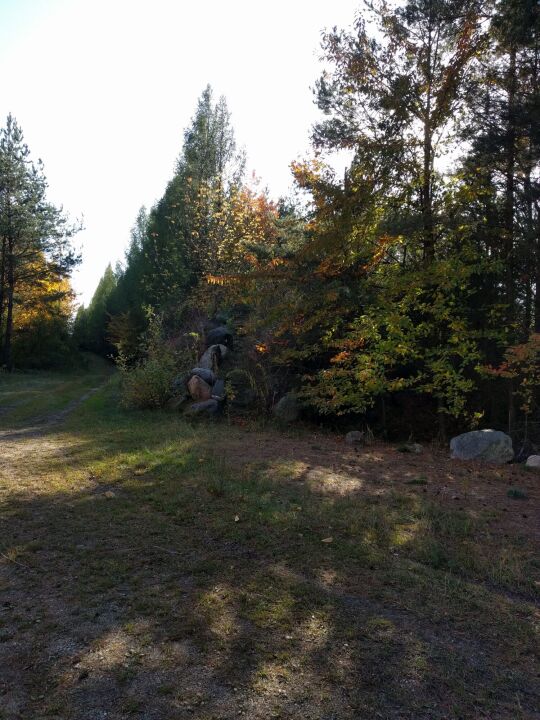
(284, 464)
(402, 296)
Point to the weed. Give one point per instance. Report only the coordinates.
(417, 481)
(516, 494)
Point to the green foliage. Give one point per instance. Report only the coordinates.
(90, 329)
(149, 383)
(36, 256)
(402, 281)
(46, 342)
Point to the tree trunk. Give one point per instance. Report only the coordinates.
(2, 287)
(508, 217)
(7, 356)
(427, 170)
(530, 253)
(427, 205)
(537, 280)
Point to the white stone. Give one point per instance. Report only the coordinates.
(533, 461)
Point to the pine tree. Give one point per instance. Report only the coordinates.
(35, 236)
(391, 99)
(179, 242)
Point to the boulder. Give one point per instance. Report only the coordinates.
(218, 391)
(355, 437)
(205, 374)
(287, 409)
(199, 390)
(211, 358)
(533, 461)
(223, 350)
(208, 408)
(220, 336)
(491, 446)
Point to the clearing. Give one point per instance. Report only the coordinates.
(159, 570)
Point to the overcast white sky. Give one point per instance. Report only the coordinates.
(104, 88)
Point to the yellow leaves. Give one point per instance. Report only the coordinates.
(220, 280)
(307, 172)
(50, 298)
(251, 259)
(341, 357)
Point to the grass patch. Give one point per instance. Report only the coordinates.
(178, 573)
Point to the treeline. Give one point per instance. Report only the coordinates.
(408, 291)
(36, 260)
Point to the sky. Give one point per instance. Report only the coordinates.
(103, 90)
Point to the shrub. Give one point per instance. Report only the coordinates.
(150, 382)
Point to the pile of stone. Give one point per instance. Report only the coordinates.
(206, 388)
(204, 385)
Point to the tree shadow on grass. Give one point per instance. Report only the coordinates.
(163, 582)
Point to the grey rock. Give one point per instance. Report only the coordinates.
(355, 437)
(208, 407)
(491, 446)
(211, 359)
(533, 461)
(218, 391)
(205, 374)
(287, 409)
(220, 336)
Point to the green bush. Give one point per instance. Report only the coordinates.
(149, 383)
